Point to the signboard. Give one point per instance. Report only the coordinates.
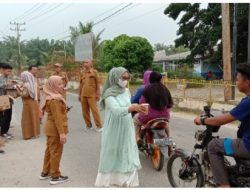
(83, 47)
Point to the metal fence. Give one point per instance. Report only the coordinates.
(209, 91)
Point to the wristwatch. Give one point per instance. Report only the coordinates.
(203, 120)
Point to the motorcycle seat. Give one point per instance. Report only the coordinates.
(158, 123)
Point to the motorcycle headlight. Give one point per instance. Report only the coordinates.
(198, 135)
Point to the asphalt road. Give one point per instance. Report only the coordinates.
(22, 163)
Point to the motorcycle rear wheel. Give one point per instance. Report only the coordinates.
(178, 176)
(157, 159)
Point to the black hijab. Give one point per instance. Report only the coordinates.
(156, 94)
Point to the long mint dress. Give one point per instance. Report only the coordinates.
(119, 157)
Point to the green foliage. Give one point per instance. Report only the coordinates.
(183, 73)
(201, 28)
(157, 68)
(134, 53)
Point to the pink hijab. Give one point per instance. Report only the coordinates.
(52, 91)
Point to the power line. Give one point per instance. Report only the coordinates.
(116, 12)
(52, 14)
(43, 13)
(104, 19)
(106, 12)
(138, 17)
(29, 11)
(90, 19)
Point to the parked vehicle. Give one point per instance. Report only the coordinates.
(193, 169)
(155, 143)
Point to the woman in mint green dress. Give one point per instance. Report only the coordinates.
(119, 157)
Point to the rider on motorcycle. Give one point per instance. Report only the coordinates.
(159, 99)
(239, 147)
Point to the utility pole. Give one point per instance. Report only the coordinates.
(234, 48)
(227, 74)
(18, 30)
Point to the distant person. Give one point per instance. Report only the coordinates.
(89, 94)
(119, 156)
(160, 103)
(5, 115)
(59, 72)
(209, 75)
(30, 122)
(56, 129)
(2, 140)
(138, 93)
(33, 70)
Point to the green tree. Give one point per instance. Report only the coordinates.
(200, 29)
(134, 53)
(9, 50)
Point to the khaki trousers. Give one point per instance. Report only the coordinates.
(87, 105)
(52, 157)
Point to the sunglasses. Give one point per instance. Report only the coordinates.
(125, 77)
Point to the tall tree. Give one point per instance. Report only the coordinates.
(200, 29)
(134, 53)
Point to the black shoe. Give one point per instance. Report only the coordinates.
(44, 176)
(2, 151)
(57, 180)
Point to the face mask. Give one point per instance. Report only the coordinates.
(122, 83)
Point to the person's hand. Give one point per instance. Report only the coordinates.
(63, 138)
(138, 108)
(80, 99)
(197, 121)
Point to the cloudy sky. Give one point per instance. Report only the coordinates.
(52, 20)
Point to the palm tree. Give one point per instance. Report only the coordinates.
(9, 50)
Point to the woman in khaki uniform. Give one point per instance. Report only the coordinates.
(56, 128)
(30, 116)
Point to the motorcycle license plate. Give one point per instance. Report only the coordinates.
(163, 142)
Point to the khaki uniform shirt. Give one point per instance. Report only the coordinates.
(89, 83)
(57, 122)
(64, 77)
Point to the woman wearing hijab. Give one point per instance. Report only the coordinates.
(56, 129)
(119, 157)
(137, 96)
(30, 116)
(159, 99)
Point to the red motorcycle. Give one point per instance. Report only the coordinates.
(155, 141)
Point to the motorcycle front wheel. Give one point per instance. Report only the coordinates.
(183, 172)
(157, 158)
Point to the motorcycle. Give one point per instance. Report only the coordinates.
(194, 170)
(154, 141)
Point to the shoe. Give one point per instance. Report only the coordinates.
(88, 127)
(98, 130)
(44, 176)
(7, 136)
(57, 180)
(2, 151)
(12, 136)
